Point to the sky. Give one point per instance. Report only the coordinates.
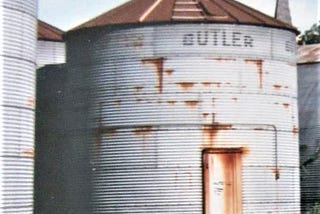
(66, 14)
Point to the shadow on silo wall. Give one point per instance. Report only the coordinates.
(61, 166)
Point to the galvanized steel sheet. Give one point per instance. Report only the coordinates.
(17, 103)
(162, 94)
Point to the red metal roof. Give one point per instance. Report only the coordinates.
(164, 11)
(48, 32)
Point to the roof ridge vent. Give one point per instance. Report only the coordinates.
(187, 10)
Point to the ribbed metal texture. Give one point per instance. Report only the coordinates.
(163, 94)
(17, 82)
(309, 132)
(50, 52)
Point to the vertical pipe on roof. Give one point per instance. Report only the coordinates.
(282, 12)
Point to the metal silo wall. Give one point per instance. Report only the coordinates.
(50, 52)
(162, 94)
(17, 102)
(308, 81)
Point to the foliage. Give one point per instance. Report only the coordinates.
(311, 36)
(314, 209)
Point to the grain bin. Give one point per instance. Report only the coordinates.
(50, 45)
(193, 105)
(308, 96)
(51, 142)
(17, 84)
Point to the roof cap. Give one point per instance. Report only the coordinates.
(184, 11)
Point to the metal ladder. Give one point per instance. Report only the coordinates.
(187, 10)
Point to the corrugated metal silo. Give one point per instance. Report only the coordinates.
(17, 86)
(51, 162)
(50, 45)
(308, 96)
(193, 105)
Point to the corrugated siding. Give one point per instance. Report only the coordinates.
(163, 94)
(17, 81)
(308, 82)
(49, 52)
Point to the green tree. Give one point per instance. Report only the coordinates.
(311, 36)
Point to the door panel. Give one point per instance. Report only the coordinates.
(222, 186)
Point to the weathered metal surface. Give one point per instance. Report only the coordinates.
(50, 45)
(17, 103)
(308, 82)
(50, 52)
(172, 11)
(222, 181)
(51, 160)
(163, 94)
(309, 54)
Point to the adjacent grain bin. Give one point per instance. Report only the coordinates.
(193, 105)
(50, 45)
(17, 85)
(308, 81)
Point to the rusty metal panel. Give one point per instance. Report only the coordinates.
(184, 11)
(17, 103)
(222, 181)
(162, 94)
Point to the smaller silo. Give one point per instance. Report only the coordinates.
(50, 140)
(50, 45)
(309, 99)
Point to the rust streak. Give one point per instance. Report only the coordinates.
(211, 131)
(217, 84)
(169, 72)
(31, 102)
(277, 87)
(295, 130)
(186, 86)
(206, 84)
(28, 153)
(286, 105)
(138, 88)
(259, 64)
(143, 131)
(111, 132)
(205, 115)
(171, 102)
(192, 103)
(220, 59)
(276, 171)
(158, 63)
